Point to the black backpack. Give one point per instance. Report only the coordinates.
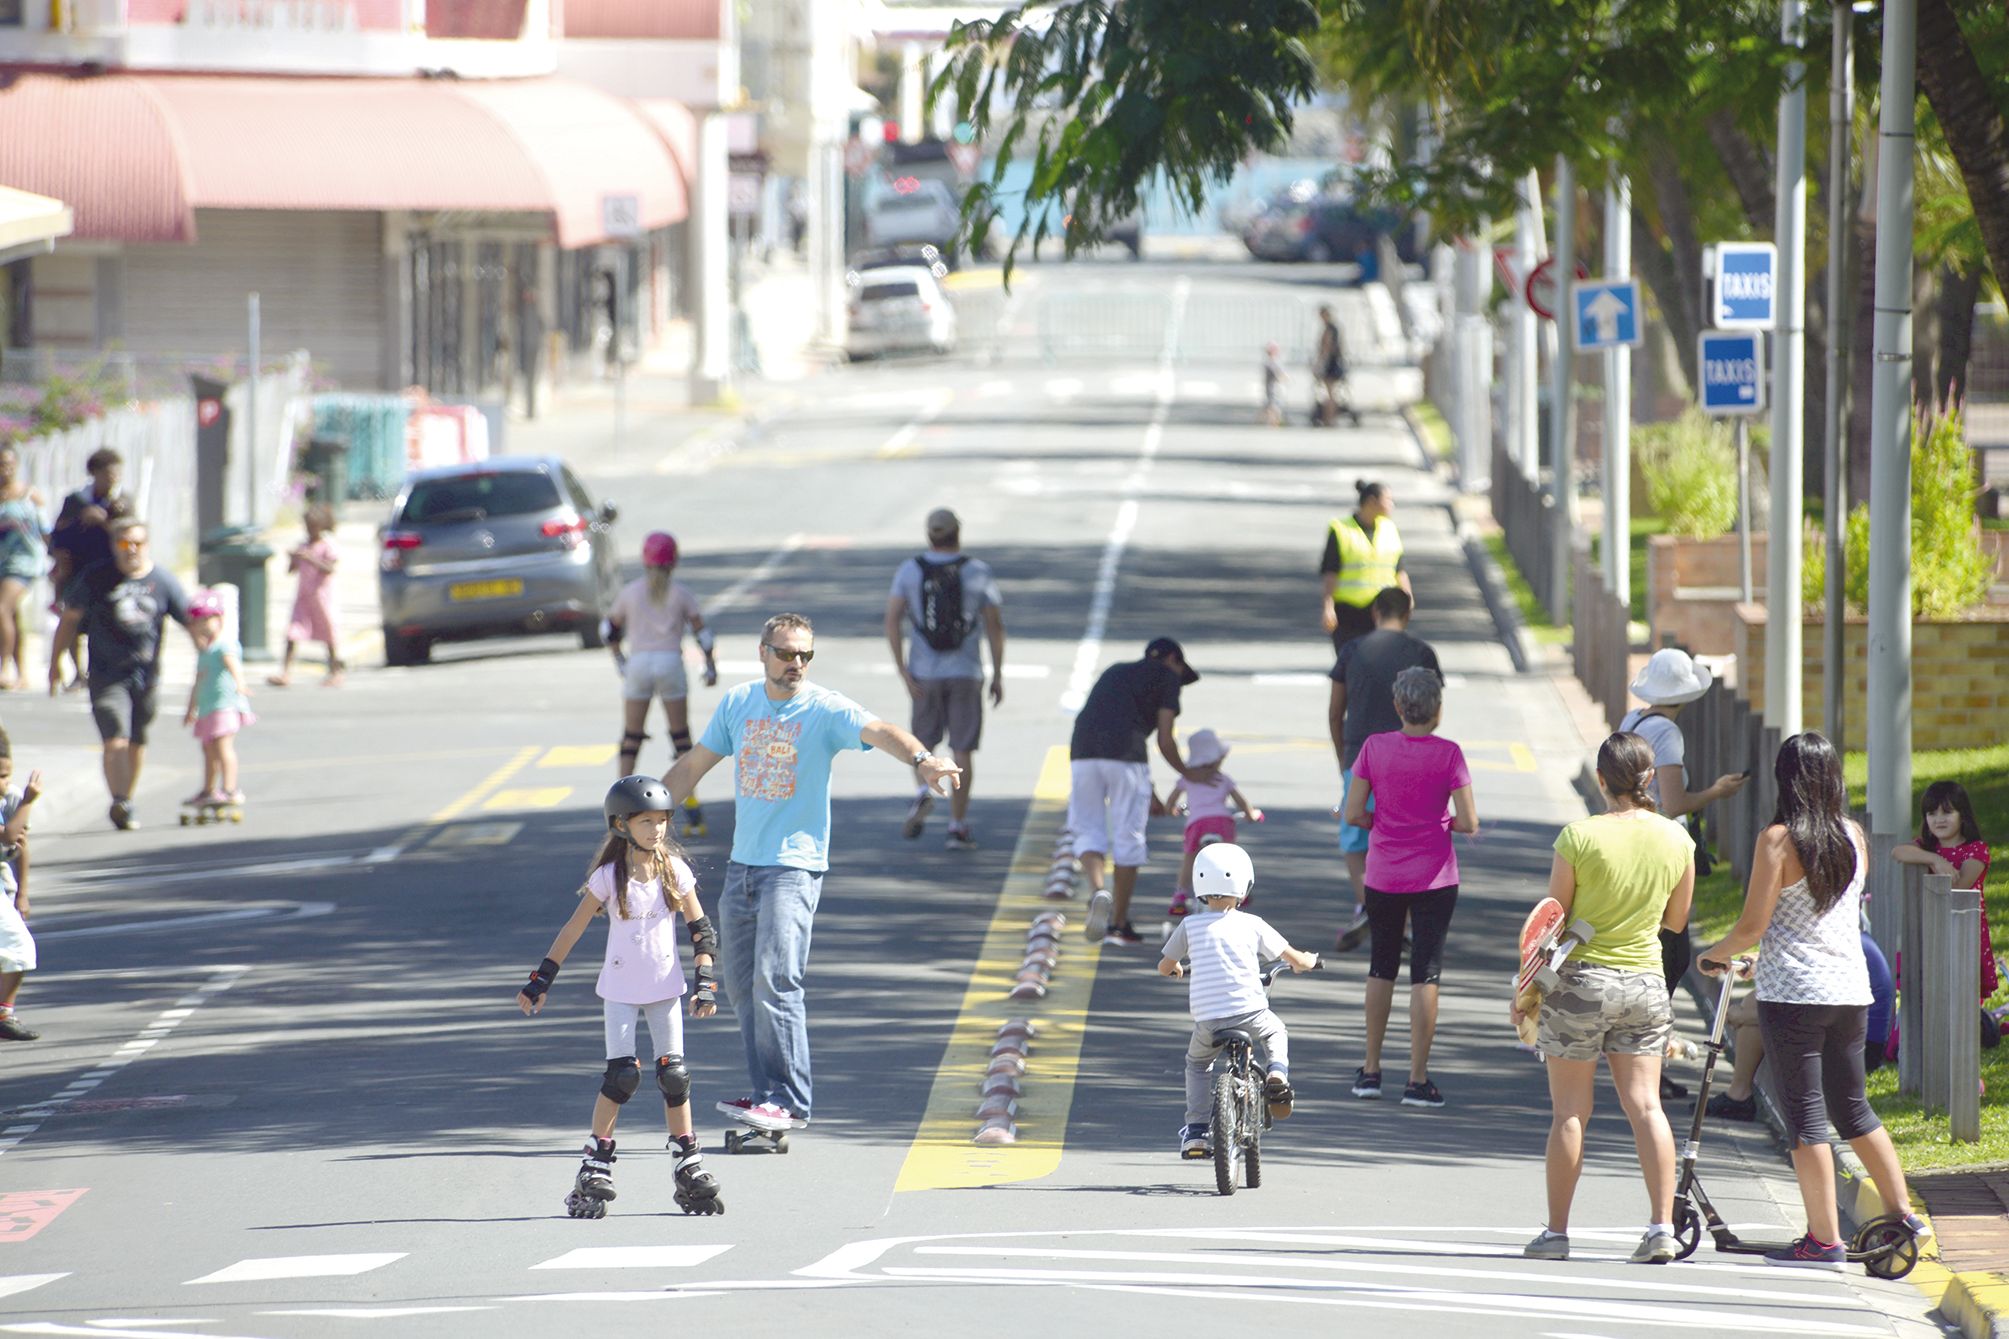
(941, 622)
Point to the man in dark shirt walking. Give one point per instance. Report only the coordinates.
(1111, 795)
(1363, 704)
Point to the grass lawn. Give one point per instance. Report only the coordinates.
(1436, 432)
(1920, 1137)
(1642, 527)
(1540, 629)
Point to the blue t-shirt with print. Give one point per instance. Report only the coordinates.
(782, 752)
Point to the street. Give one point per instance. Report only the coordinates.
(283, 1087)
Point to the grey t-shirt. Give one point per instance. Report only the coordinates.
(980, 590)
(1368, 666)
(1664, 738)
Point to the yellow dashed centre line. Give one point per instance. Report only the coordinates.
(942, 1156)
(578, 755)
(536, 797)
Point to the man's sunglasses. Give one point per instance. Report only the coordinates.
(131, 545)
(791, 657)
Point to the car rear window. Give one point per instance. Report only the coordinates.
(475, 497)
(899, 288)
(894, 203)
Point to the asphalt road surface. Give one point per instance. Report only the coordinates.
(284, 1089)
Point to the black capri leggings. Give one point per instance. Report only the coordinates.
(1816, 1052)
(1429, 916)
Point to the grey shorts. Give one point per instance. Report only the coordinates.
(1604, 1011)
(950, 706)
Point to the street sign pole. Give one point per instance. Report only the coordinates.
(1744, 510)
(1562, 398)
(1618, 405)
(1841, 126)
(1732, 383)
(1782, 582)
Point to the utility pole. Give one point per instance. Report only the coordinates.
(1890, 434)
(1618, 404)
(1562, 401)
(1789, 376)
(1841, 124)
(253, 336)
(1527, 333)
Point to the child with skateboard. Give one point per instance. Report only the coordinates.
(218, 707)
(641, 883)
(1624, 874)
(313, 617)
(1227, 948)
(1208, 793)
(17, 945)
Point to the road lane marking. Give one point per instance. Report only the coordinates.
(375, 1312)
(578, 755)
(726, 598)
(224, 977)
(942, 1156)
(23, 1213)
(1061, 388)
(14, 1284)
(901, 443)
(535, 797)
(652, 1295)
(110, 1330)
(475, 834)
(284, 911)
(634, 1257)
(267, 1268)
(481, 790)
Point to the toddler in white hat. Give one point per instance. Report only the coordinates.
(1209, 800)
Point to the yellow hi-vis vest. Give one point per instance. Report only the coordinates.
(1366, 566)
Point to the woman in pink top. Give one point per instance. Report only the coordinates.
(314, 605)
(645, 631)
(1421, 791)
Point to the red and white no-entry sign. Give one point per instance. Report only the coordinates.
(1541, 290)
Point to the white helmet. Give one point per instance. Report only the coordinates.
(1223, 870)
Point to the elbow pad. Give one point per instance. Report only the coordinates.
(704, 939)
(706, 641)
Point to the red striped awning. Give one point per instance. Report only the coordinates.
(136, 155)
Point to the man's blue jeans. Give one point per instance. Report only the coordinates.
(764, 918)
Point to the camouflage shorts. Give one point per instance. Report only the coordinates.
(1604, 1010)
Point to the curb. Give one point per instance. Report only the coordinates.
(1977, 1304)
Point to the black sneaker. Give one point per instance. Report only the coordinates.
(1356, 930)
(917, 815)
(1670, 1091)
(11, 1030)
(1366, 1086)
(1277, 1093)
(1123, 936)
(1193, 1142)
(959, 839)
(122, 815)
(1422, 1094)
(1726, 1107)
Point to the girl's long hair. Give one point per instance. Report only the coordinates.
(659, 583)
(614, 850)
(1946, 795)
(1814, 810)
(1625, 763)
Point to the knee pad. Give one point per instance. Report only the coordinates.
(623, 1077)
(680, 740)
(673, 1079)
(632, 741)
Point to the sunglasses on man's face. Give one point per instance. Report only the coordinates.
(790, 657)
(132, 545)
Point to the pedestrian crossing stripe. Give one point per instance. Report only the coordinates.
(578, 755)
(634, 1257)
(267, 1268)
(537, 797)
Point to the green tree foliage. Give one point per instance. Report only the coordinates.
(1689, 465)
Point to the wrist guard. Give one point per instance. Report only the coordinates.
(707, 991)
(541, 979)
(704, 939)
(706, 641)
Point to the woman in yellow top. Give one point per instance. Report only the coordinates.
(1363, 557)
(1628, 872)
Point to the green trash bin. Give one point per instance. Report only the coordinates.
(235, 555)
(327, 460)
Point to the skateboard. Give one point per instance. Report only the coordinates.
(758, 1137)
(1545, 942)
(216, 811)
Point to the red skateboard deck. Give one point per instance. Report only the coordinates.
(1545, 942)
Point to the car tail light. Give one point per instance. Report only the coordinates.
(396, 544)
(1304, 226)
(926, 306)
(569, 527)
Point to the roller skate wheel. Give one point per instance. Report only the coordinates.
(584, 1206)
(733, 1141)
(185, 820)
(781, 1143)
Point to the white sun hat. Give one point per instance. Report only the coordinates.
(1204, 747)
(1671, 678)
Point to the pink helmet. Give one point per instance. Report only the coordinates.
(659, 550)
(205, 604)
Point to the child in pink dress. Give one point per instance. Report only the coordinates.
(313, 617)
(1210, 800)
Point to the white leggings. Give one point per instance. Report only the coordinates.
(666, 1027)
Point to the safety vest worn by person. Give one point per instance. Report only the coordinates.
(1366, 565)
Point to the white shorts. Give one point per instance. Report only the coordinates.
(1107, 808)
(653, 674)
(17, 946)
(666, 1027)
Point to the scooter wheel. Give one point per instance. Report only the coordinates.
(1889, 1248)
(1687, 1229)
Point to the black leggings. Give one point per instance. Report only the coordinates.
(1429, 916)
(1816, 1052)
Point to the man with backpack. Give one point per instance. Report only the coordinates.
(940, 597)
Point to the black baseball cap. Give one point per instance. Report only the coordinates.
(1161, 647)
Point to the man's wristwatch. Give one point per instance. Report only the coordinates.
(921, 757)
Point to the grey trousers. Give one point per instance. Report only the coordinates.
(1271, 1040)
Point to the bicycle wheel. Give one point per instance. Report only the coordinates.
(1227, 1131)
(1252, 1131)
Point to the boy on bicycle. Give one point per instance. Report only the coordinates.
(1227, 947)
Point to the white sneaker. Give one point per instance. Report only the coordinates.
(1100, 908)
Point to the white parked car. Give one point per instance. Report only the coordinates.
(900, 308)
(915, 210)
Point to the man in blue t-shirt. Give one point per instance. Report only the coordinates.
(783, 733)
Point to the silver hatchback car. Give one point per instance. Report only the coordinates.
(494, 548)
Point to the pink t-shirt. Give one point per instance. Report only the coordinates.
(643, 965)
(1206, 799)
(647, 626)
(1409, 846)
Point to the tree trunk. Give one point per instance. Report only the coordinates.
(1955, 318)
(1973, 124)
(1749, 169)
(1676, 271)
(1862, 354)
(1924, 332)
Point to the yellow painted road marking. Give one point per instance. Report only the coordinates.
(476, 834)
(942, 1156)
(578, 755)
(418, 832)
(535, 797)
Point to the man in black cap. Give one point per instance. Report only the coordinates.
(1111, 795)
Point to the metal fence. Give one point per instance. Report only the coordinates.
(1722, 734)
(1527, 518)
(1600, 637)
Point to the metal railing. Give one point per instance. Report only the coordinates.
(1527, 518)
(1939, 1021)
(1721, 734)
(1600, 637)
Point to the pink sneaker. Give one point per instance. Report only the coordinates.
(1182, 905)
(781, 1117)
(758, 1115)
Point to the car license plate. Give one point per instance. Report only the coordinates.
(484, 590)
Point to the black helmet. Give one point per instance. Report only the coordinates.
(636, 795)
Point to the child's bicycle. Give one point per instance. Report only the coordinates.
(1241, 1113)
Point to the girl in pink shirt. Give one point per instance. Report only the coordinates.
(1209, 803)
(313, 617)
(640, 882)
